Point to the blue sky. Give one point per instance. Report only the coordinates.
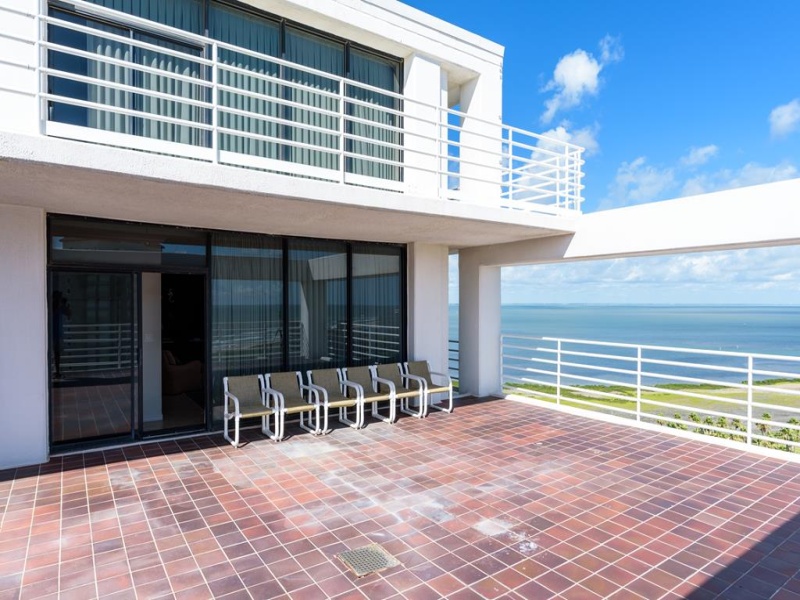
(670, 99)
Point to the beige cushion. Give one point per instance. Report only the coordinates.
(247, 390)
(363, 377)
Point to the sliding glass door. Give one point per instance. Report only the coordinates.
(93, 355)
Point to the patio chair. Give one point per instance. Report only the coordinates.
(407, 387)
(422, 370)
(246, 394)
(367, 381)
(287, 391)
(329, 384)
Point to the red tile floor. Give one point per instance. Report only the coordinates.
(499, 499)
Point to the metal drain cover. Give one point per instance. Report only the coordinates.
(366, 560)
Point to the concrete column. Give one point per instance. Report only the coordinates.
(481, 139)
(428, 305)
(423, 90)
(478, 326)
(23, 337)
(151, 346)
(20, 83)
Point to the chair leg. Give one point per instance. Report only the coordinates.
(420, 413)
(226, 431)
(449, 407)
(343, 418)
(392, 416)
(277, 434)
(308, 426)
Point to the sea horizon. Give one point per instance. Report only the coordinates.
(761, 328)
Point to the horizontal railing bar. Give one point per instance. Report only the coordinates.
(127, 41)
(124, 64)
(124, 87)
(128, 112)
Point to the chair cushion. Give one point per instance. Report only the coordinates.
(363, 377)
(329, 380)
(247, 390)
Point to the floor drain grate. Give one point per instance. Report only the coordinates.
(366, 560)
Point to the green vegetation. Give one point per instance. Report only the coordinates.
(687, 418)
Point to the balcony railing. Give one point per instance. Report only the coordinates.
(176, 93)
(749, 398)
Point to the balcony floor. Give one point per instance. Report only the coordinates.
(499, 499)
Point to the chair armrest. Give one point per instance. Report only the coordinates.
(356, 386)
(270, 392)
(321, 391)
(235, 402)
(445, 376)
(387, 382)
(314, 391)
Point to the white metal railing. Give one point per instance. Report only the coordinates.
(335, 129)
(747, 397)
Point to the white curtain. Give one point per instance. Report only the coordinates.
(259, 35)
(324, 55)
(381, 73)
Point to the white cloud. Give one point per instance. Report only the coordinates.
(611, 50)
(784, 119)
(585, 137)
(750, 174)
(739, 276)
(637, 182)
(699, 156)
(577, 75)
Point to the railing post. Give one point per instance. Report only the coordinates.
(215, 102)
(510, 165)
(502, 355)
(41, 78)
(638, 383)
(342, 130)
(558, 372)
(750, 400)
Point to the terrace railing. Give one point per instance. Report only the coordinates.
(746, 397)
(453, 360)
(176, 93)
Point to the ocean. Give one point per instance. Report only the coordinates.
(745, 329)
(752, 329)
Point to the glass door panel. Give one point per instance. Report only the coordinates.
(93, 355)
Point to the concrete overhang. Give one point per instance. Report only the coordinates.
(748, 217)
(62, 176)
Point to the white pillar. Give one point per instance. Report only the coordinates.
(478, 326)
(18, 77)
(424, 88)
(481, 139)
(151, 347)
(23, 337)
(428, 304)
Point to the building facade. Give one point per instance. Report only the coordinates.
(202, 188)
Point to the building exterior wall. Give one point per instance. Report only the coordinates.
(428, 319)
(23, 337)
(19, 81)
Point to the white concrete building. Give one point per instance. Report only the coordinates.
(201, 188)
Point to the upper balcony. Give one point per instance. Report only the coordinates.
(110, 78)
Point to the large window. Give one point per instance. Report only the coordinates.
(377, 305)
(275, 303)
(317, 304)
(137, 80)
(247, 335)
